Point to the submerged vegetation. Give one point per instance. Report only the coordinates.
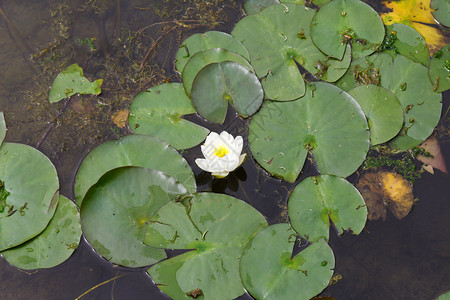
(372, 86)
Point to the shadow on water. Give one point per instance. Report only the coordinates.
(394, 259)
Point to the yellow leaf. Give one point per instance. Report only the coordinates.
(416, 14)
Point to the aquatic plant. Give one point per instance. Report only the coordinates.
(138, 195)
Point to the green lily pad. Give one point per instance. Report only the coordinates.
(408, 81)
(70, 82)
(208, 40)
(203, 58)
(342, 22)
(326, 121)
(316, 200)
(217, 227)
(158, 112)
(53, 245)
(32, 183)
(219, 83)
(117, 209)
(132, 150)
(440, 11)
(252, 7)
(406, 41)
(445, 296)
(269, 272)
(383, 111)
(439, 72)
(279, 37)
(2, 128)
(402, 142)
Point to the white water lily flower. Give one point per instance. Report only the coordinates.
(222, 154)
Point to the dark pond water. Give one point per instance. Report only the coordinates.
(392, 259)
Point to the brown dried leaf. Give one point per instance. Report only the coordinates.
(120, 118)
(383, 188)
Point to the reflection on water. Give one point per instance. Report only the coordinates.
(396, 259)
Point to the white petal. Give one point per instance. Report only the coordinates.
(208, 152)
(242, 158)
(238, 144)
(203, 164)
(220, 174)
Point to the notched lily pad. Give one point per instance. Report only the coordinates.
(439, 71)
(203, 58)
(327, 122)
(383, 188)
(342, 22)
(208, 40)
(53, 245)
(317, 200)
(268, 270)
(158, 112)
(440, 11)
(132, 150)
(70, 82)
(221, 83)
(383, 111)
(118, 208)
(29, 197)
(216, 227)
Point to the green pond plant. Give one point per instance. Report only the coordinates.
(320, 85)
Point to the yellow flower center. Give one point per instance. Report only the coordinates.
(221, 151)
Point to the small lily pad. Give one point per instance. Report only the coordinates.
(221, 83)
(439, 72)
(440, 11)
(208, 40)
(158, 112)
(216, 227)
(203, 58)
(269, 271)
(342, 22)
(316, 200)
(383, 111)
(117, 209)
(53, 245)
(406, 41)
(327, 122)
(32, 183)
(70, 82)
(2, 128)
(132, 150)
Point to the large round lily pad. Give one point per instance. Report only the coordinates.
(252, 7)
(133, 150)
(326, 121)
(406, 41)
(219, 83)
(439, 72)
(217, 227)
(158, 112)
(208, 40)
(316, 200)
(53, 245)
(279, 37)
(342, 22)
(383, 111)
(117, 209)
(70, 82)
(203, 58)
(269, 271)
(28, 195)
(2, 128)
